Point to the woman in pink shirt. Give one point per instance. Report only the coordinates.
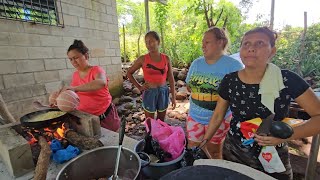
(91, 85)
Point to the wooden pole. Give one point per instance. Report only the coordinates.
(302, 47)
(124, 44)
(312, 160)
(146, 6)
(272, 14)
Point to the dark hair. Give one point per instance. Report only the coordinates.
(220, 34)
(79, 46)
(272, 35)
(153, 34)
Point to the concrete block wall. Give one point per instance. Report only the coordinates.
(33, 60)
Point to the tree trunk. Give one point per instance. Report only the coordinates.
(140, 33)
(302, 47)
(272, 14)
(162, 40)
(43, 160)
(124, 44)
(82, 142)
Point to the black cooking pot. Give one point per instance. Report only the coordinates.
(204, 172)
(26, 119)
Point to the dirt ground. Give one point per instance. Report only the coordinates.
(299, 149)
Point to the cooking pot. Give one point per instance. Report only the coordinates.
(157, 170)
(205, 172)
(25, 120)
(100, 163)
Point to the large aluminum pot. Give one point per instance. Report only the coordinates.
(100, 163)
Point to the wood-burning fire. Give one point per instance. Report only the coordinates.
(49, 133)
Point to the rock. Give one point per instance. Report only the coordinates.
(127, 86)
(172, 114)
(181, 95)
(139, 100)
(180, 83)
(129, 105)
(136, 91)
(116, 101)
(126, 99)
(175, 72)
(182, 76)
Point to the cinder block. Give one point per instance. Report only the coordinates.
(106, 18)
(101, 26)
(96, 6)
(24, 39)
(115, 20)
(107, 35)
(40, 52)
(8, 67)
(17, 80)
(110, 52)
(17, 93)
(90, 14)
(54, 64)
(4, 38)
(106, 2)
(11, 26)
(38, 90)
(1, 83)
(50, 40)
(30, 66)
(70, 20)
(46, 76)
(53, 86)
(113, 28)
(118, 52)
(66, 74)
(111, 10)
(89, 124)
(15, 152)
(71, 9)
(13, 52)
(98, 52)
(114, 44)
(59, 52)
(36, 28)
(116, 60)
(86, 23)
(105, 61)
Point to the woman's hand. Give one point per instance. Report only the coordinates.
(173, 103)
(268, 140)
(144, 87)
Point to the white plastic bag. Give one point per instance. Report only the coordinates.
(270, 160)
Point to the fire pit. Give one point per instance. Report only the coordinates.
(20, 151)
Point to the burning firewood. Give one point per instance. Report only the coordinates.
(81, 141)
(43, 160)
(4, 112)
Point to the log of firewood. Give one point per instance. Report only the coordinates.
(5, 113)
(81, 141)
(43, 160)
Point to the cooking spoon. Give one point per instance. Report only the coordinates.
(38, 105)
(121, 136)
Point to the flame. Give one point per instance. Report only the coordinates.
(49, 134)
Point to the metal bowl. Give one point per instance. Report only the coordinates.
(100, 163)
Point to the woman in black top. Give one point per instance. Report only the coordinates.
(240, 91)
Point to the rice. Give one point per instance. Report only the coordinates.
(46, 116)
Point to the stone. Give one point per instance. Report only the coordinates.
(15, 152)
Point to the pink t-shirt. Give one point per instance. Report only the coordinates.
(93, 102)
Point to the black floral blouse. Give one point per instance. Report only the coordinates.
(245, 104)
